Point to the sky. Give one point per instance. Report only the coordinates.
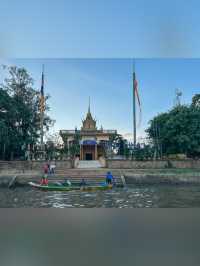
(106, 28)
(108, 82)
(87, 48)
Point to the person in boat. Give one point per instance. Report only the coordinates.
(67, 183)
(44, 180)
(109, 178)
(83, 183)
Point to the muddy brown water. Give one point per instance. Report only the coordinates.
(133, 196)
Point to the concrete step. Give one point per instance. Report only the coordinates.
(85, 174)
(88, 164)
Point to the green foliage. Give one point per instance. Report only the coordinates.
(144, 152)
(119, 145)
(19, 114)
(177, 131)
(196, 100)
(54, 147)
(74, 149)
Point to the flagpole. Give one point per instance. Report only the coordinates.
(42, 115)
(134, 109)
(42, 130)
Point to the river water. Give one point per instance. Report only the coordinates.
(166, 196)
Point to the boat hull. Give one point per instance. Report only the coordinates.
(52, 187)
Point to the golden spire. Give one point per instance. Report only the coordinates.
(89, 106)
(89, 122)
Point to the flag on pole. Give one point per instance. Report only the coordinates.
(136, 92)
(42, 99)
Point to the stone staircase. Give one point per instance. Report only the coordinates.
(91, 171)
(88, 164)
(91, 176)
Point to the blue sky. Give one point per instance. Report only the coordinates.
(106, 28)
(108, 82)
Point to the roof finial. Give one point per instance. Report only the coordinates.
(89, 105)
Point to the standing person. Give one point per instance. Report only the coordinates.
(52, 168)
(48, 165)
(44, 180)
(109, 178)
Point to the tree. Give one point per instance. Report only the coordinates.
(196, 100)
(143, 152)
(178, 130)
(23, 114)
(74, 149)
(119, 145)
(54, 146)
(8, 133)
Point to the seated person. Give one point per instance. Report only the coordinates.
(109, 178)
(67, 182)
(83, 183)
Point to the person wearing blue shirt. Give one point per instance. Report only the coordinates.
(109, 178)
(83, 183)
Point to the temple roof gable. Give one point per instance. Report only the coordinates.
(89, 123)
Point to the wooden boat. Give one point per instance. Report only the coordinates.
(56, 187)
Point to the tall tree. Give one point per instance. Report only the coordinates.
(74, 149)
(24, 127)
(178, 131)
(7, 122)
(196, 100)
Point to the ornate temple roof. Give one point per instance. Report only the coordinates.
(89, 123)
(88, 128)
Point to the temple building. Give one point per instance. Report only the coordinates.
(93, 141)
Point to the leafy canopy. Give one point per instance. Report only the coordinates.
(178, 130)
(19, 113)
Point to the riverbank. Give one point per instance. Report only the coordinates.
(132, 176)
(163, 176)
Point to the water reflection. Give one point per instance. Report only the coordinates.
(130, 197)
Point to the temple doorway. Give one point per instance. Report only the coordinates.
(88, 151)
(88, 157)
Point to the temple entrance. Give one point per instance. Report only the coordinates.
(88, 151)
(88, 157)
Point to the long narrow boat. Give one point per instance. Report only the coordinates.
(55, 187)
